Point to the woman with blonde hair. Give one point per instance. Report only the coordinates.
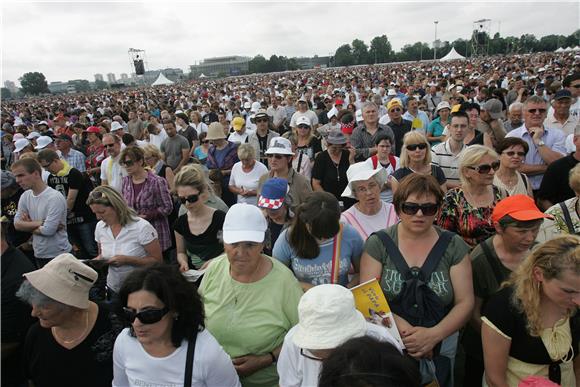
(245, 175)
(197, 231)
(155, 161)
(532, 325)
(416, 158)
(467, 209)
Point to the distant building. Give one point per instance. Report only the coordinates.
(225, 65)
(58, 87)
(11, 86)
(99, 77)
(111, 78)
(124, 77)
(314, 62)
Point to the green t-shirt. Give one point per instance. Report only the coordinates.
(250, 319)
(392, 280)
(485, 284)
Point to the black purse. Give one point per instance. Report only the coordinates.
(189, 361)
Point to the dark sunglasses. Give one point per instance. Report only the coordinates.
(205, 142)
(485, 168)
(536, 111)
(262, 120)
(395, 110)
(109, 145)
(428, 209)
(128, 163)
(191, 199)
(512, 153)
(576, 86)
(277, 157)
(413, 147)
(149, 316)
(304, 126)
(98, 195)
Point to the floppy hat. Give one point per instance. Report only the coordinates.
(519, 207)
(64, 279)
(279, 146)
(260, 114)
(21, 144)
(114, 126)
(17, 136)
(33, 135)
(273, 193)
(303, 120)
(336, 137)
(391, 92)
(215, 131)
(443, 105)
(319, 310)
(244, 223)
(493, 107)
(42, 142)
(360, 172)
(238, 123)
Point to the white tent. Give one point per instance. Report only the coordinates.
(568, 49)
(202, 75)
(560, 50)
(452, 55)
(577, 48)
(162, 80)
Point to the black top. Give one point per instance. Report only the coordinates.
(478, 139)
(513, 323)
(89, 364)
(15, 313)
(332, 177)
(81, 213)
(190, 133)
(209, 118)
(205, 245)
(436, 171)
(399, 130)
(555, 186)
(310, 150)
(9, 208)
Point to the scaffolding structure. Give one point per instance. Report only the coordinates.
(480, 37)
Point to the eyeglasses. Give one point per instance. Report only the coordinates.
(413, 147)
(190, 199)
(109, 145)
(149, 316)
(277, 157)
(485, 168)
(303, 353)
(395, 110)
(371, 187)
(128, 163)
(536, 111)
(261, 120)
(428, 209)
(512, 153)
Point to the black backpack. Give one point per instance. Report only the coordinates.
(417, 302)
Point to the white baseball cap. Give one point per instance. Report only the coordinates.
(244, 223)
(280, 146)
(116, 126)
(42, 142)
(303, 120)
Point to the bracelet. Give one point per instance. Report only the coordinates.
(273, 357)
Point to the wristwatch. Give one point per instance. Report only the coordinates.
(541, 143)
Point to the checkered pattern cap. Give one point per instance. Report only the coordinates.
(273, 193)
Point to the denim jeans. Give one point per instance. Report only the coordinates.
(83, 235)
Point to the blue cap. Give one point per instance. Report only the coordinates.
(273, 193)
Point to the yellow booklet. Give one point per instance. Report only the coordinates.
(372, 303)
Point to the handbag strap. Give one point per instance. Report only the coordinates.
(335, 268)
(567, 217)
(492, 262)
(189, 360)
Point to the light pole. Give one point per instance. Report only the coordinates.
(435, 41)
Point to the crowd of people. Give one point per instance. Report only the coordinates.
(455, 184)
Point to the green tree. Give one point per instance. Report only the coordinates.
(528, 43)
(276, 63)
(82, 86)
(34, 83)
(381, 50)
(258, 64)
(101, 85)
(344, 56)
(360, 52)
(5, 93)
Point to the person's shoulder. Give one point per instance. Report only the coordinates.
(517, 132)
(440, 149)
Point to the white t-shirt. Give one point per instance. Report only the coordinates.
(157, 139)
(130, 241)
(134, 367)
(365, 225)
(113, 173)
(296, 370)
(238, 138)
(249, 181)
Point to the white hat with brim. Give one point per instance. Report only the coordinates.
(116, 126)
(64, 279)
(360, 172)
(20, 144)
(244, 223)
(318, 311)
(42, 142)
(280, 146)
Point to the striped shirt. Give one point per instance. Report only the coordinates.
(446, 160)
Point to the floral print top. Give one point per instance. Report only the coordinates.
(473, 224)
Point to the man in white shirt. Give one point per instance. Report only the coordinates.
(559, 117)
(112, 172)
(446, 154)
(418, 118)
(304, 112)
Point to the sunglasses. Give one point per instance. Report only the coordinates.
(536, 111)
(303, 126)
(428, 209)
(262, 120)
(191, 198)
(205, 142)
(576, 86)
(413, 147)
(149, 316)
(485, 168)
(395, 110)
(128, 163)
(277, 157)
(512, 153)
(98, 195)
(108, 145)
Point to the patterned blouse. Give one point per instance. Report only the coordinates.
(473, 224)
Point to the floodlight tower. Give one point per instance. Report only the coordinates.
(480, 37)
(138, 61)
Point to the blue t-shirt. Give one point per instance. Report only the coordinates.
(317, 270)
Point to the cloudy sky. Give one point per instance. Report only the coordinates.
(74, 40)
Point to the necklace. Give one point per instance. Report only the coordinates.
(250, 280)
(53, 329)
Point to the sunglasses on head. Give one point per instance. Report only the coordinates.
(149, 316)
(190, 199)
(485, 168)
(513, 153)
(277, 157)
(413, 147)
(427, 209)
(98, 195)
(536, 111)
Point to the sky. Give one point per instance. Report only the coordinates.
(75, 40)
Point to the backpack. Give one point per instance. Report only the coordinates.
(417, 302)
(392, 160)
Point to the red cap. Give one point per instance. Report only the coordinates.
(339, 102)
(519, 207)
(93, 129)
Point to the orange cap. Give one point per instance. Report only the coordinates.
(519, 207)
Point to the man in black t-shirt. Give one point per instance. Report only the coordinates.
(75, 187)
(11, 193)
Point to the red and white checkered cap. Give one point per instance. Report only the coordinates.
(272, 204)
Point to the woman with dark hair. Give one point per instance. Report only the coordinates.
(512, 153)
(367, 362)
(317, 247)
(166, 316)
